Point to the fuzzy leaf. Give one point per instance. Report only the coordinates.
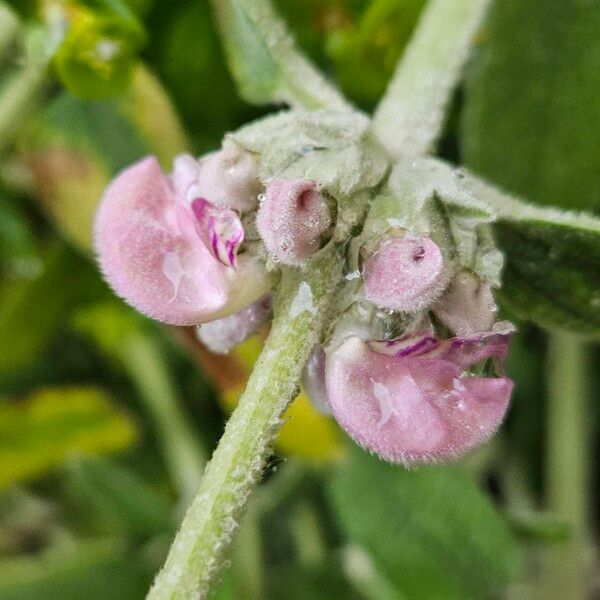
(335, 149)
(431, 532)
(552, 273)
(265, 61)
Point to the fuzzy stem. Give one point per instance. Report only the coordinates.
(199, 548)
(411, 115)
(567, 458)
(185, 458)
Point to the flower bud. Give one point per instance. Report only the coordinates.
(291, 219)
(467, 306)
(229, 177)
(174, 261)
(313, 380)
(221, 335)
(416, 405)
(405, 274)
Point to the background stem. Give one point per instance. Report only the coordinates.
(567, 460)
(235, 469)
(184, 456)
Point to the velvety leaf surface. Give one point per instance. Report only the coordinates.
(532, 124)
(430, 531)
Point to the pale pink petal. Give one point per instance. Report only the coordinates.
(467, 306)
(222, 228)
(222, 335)
(152, 254)
(472, 349)
(292, 219)
(229, 177)
(411, 409)
(405, 274)
(185, 176)
(313, 380)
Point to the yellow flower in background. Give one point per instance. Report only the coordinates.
(307, 433)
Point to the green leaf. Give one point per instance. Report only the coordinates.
(552, 259)
(265, 61)
(335, 149)
(531, 123)
(31, 309)
(430, 531)
(411, 115)
(37, 435)
(366, 52)
(92, 569)
(119, 499)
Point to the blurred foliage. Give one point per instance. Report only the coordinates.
(532, 124)
(83, 377)
(39, 433)
(431, 531)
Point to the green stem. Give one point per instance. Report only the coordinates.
(184, 456)
(18, 99)
(567, 460)
(301, 313)
(411, 115)
(9, 25)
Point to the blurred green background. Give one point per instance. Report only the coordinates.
(106, 419)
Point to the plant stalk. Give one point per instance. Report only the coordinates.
(411, 115)
(185, 458)
(567, 460)
(301, 312)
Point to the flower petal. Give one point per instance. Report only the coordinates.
(404, 274)
(152, 254)
(313, 380)
(221, 335)
(411, 409)
(223, 228)
(229, 177)
(467, 306)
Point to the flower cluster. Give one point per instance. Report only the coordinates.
(412, 371)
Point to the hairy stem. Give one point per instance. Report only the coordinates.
(567, 460)
(184, 456)
(198, 551)
(410, 117)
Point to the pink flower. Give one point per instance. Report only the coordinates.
(404, 274)
(292, 219)
(222, 335)
(467, 305)
(172, 254)
(227, 177)
(410, 400)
